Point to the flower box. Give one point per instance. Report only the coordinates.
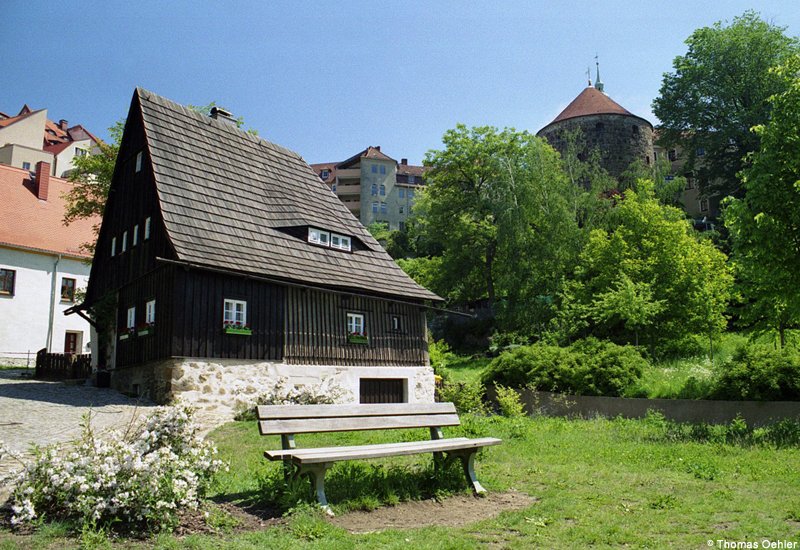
(144, 331)
(124, 336)
(238, 330)
(358, 339)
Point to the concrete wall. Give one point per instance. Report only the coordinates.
(15, 155)
(756, 413)
(28, 132)
(25, 317)
(368, 178)
(230, 384)
(621, 140)
(62, 164)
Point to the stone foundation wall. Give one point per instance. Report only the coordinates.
(230, 384)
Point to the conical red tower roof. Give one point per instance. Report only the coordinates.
(592, 101)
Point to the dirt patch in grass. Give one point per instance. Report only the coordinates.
(454, 511)
(225, 517)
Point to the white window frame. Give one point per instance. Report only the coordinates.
(234, 312)
(113, 246)
(703, 205)
(356, 324)
(28, 167)
(135, 240)
(325, 174)
(139, 162)
(318, 236)
(150, 312)
(146, 229)
(130, 320)
(374, 207)
(124, 241)
(382, 190)
(396, 324)
(341, 242)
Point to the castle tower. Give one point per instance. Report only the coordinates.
(619, 135)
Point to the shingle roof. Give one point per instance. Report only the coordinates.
(225, 195)
(27, 222)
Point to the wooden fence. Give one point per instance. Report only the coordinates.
(62, 366)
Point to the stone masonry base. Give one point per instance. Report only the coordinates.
(228, 385)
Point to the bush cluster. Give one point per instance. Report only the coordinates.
(587, 367)
(285, 393)
(759, 373)
(141, 478)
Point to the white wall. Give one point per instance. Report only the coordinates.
(28, 131)
(63, 162)
(25, 316)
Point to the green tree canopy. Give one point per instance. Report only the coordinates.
(500, 213)
(646, 272)
(765, 224)
(718, 91)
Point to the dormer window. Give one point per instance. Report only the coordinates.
(326, 238)
(325, 174)
(318, 236)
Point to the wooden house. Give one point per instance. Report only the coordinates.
(224, 265)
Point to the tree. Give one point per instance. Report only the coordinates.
(667, 186)
(765, 223)
(497, 210)
(647, 272)
(717, 92)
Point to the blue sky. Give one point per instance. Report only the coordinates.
(326, 79)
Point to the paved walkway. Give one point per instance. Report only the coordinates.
(42, 413)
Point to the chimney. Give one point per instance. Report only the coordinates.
(63, 124)
(42, 179)
(404, 162)
(218, 113)
(378, 148)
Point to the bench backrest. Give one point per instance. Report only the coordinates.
(294, 419)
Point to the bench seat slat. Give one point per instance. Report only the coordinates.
(277, 412)
(279, 454)
(307, 456)
(355, 423)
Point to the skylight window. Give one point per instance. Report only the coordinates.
(326, 238)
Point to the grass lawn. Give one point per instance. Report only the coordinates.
(640, 483)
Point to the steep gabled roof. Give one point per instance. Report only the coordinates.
(228, 197)
(30, 223)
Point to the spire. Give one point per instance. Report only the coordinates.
(597, 82)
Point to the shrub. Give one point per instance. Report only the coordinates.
(587, 367)
(140, 478)
(468, 397)
(283, 393)
(508, 399)
(760, 373)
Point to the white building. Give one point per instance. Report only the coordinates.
(42, 266)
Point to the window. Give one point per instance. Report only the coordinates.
(383, 169)
(402, 193)
(655, 155)
(703, 205)
(26, 165)
(146, 229)
(67, 289)
(402, 209)
(124, 241)
(635, 130)
(131, 319)
(689, 182)
(113, 246)
(318, 236)
(150, 312)
(7, 277)
(383, 208)
(374, 207)
(411, 179)
(402, 225)
(135, 240)
(71, 345)
(80, 152)
(383, 190)
(374, 189)
(701, 152)
(374, 168)
(333, 188)
(138, 162)
(355, 323)
(396, 325)
(234, 312)
(673, 155)
(325, 174)
(340, 241)
(599, 126)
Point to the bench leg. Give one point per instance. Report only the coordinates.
(316, 472)
(468, 463)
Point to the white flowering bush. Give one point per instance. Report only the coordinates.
(283, 393)
(141, 478)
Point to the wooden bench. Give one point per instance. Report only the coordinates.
(288, 420)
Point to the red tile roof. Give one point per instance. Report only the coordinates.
(27, 222)
(591, 101)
